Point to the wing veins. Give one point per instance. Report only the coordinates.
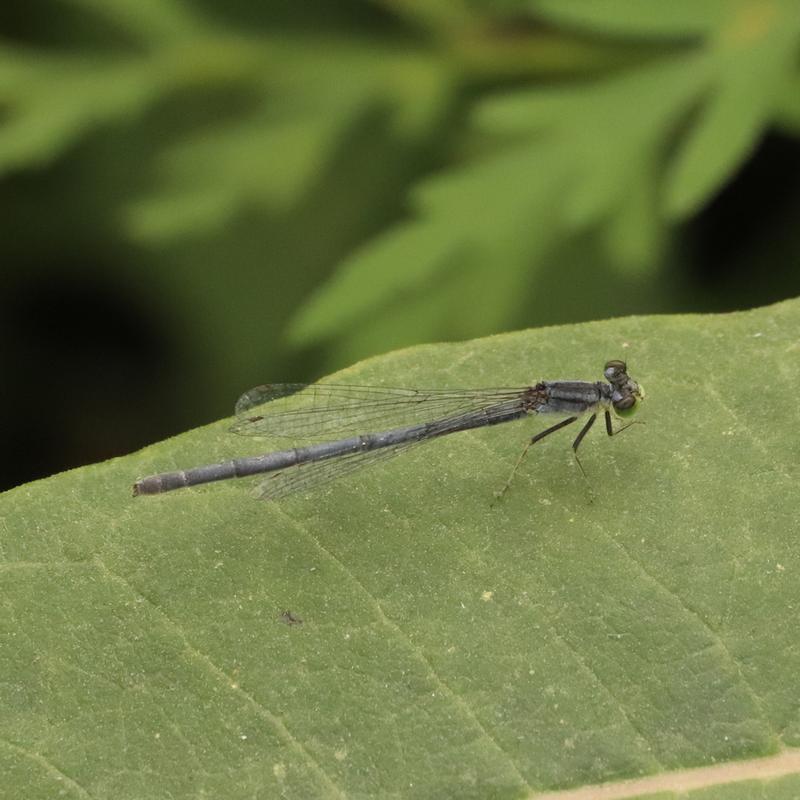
(312, 474)
(345, 408)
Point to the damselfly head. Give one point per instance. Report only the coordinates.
(627, 393)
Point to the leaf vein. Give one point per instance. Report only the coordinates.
(229, 682)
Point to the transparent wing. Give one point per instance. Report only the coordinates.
(320, 411)
(267, 393)
(312, 474)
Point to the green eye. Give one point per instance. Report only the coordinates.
(629, 405)
(629, 411)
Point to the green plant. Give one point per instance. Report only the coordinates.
(435, 646)
(374, 174)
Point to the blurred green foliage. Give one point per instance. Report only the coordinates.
(267, 191)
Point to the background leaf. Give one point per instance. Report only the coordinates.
(627, 17)
(568, 636)
(199, 196)
(628, 154)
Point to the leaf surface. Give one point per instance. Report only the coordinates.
(396, 635)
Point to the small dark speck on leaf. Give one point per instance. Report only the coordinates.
(290, 619)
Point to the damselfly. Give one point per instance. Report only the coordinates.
(339, 415)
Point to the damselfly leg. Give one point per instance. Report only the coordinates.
(610, 427)
(537, 438)
(575, 445)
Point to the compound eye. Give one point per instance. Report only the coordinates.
(614, 368)
(626, 403)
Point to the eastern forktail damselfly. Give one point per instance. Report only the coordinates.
(339, 414)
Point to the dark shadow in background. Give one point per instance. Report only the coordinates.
(85, 374)
(743, 249)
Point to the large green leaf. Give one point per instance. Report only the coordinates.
(639, 624)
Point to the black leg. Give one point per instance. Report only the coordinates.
(537, 438)
(579, 438)
(553, 429)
